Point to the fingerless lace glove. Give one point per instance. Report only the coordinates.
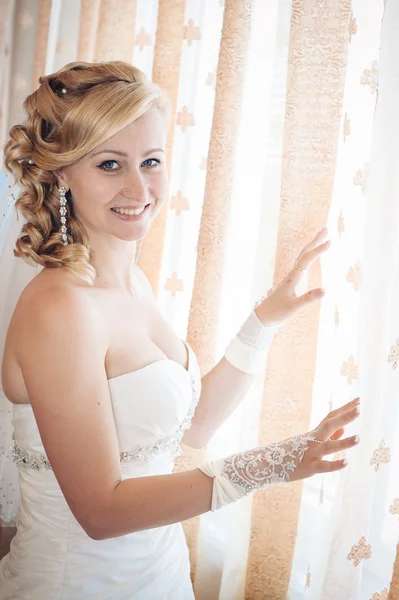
(240, 474)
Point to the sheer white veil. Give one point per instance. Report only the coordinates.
(15, 274)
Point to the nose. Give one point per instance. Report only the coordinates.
(135, 188)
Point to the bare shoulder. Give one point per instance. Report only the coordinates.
(51, 312)
(55, 301)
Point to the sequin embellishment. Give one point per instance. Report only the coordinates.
(143, 452)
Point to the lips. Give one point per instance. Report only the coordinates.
(129, 210)
(130, 214)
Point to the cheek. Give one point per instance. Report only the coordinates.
(91, 193)
(161, 187)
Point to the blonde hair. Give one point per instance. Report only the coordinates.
(100, 99)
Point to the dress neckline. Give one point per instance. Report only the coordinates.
(157, 362)
(168, 361)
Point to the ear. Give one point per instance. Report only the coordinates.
(61, 179)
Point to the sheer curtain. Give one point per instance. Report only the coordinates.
(284, 119)
(348, 526)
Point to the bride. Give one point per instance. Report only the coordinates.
(102, 391)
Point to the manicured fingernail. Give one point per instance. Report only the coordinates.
(356, 439)
(344, 461)
(356, 401)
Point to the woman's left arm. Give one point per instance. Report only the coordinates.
(225, 386)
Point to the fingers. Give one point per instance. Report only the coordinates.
(344, 408)
(317, 240)
(332, 423)
(331, 429)
(309, 297)
(310, 256)
(327, 466)
(332, 446)
(338, 434)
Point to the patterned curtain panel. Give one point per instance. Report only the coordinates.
(284, 118)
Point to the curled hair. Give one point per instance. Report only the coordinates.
(60, 128)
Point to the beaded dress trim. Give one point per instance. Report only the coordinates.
(143, 452)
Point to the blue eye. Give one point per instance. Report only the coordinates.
(109, 165)
(105, 165)
(151, 163)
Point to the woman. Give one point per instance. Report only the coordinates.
(102, 389)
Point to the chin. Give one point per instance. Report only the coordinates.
(132, 234)
(133, 237)
(131, 230)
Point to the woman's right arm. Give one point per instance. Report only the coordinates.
(62, 348)
(63, 345)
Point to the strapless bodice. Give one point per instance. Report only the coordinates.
(152, 409)
(51, 556)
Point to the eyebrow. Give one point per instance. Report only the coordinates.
(120, 153)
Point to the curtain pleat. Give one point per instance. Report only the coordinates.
(42, 31)
(88, 26)
(309, 154)
(115, 30)
(394, 588)
(7, 9)
(205, 302)
(166, 71)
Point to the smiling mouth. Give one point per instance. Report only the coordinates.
(129, 211)
(130, 214)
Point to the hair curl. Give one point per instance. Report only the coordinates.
(100, 99)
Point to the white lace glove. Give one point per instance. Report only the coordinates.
(240, 474)
(296, 458)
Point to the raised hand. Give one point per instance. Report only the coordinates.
(296, 458)
(328, 441)
(282, 302)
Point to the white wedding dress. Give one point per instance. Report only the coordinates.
(51, 557)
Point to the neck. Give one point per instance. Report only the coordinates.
(113, 260)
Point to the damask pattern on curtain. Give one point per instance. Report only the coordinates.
(284, 118)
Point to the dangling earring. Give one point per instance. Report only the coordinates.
(63, 212)
(137, 252)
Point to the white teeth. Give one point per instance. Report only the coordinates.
(129, 211)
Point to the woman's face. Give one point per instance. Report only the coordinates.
(126, 173)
